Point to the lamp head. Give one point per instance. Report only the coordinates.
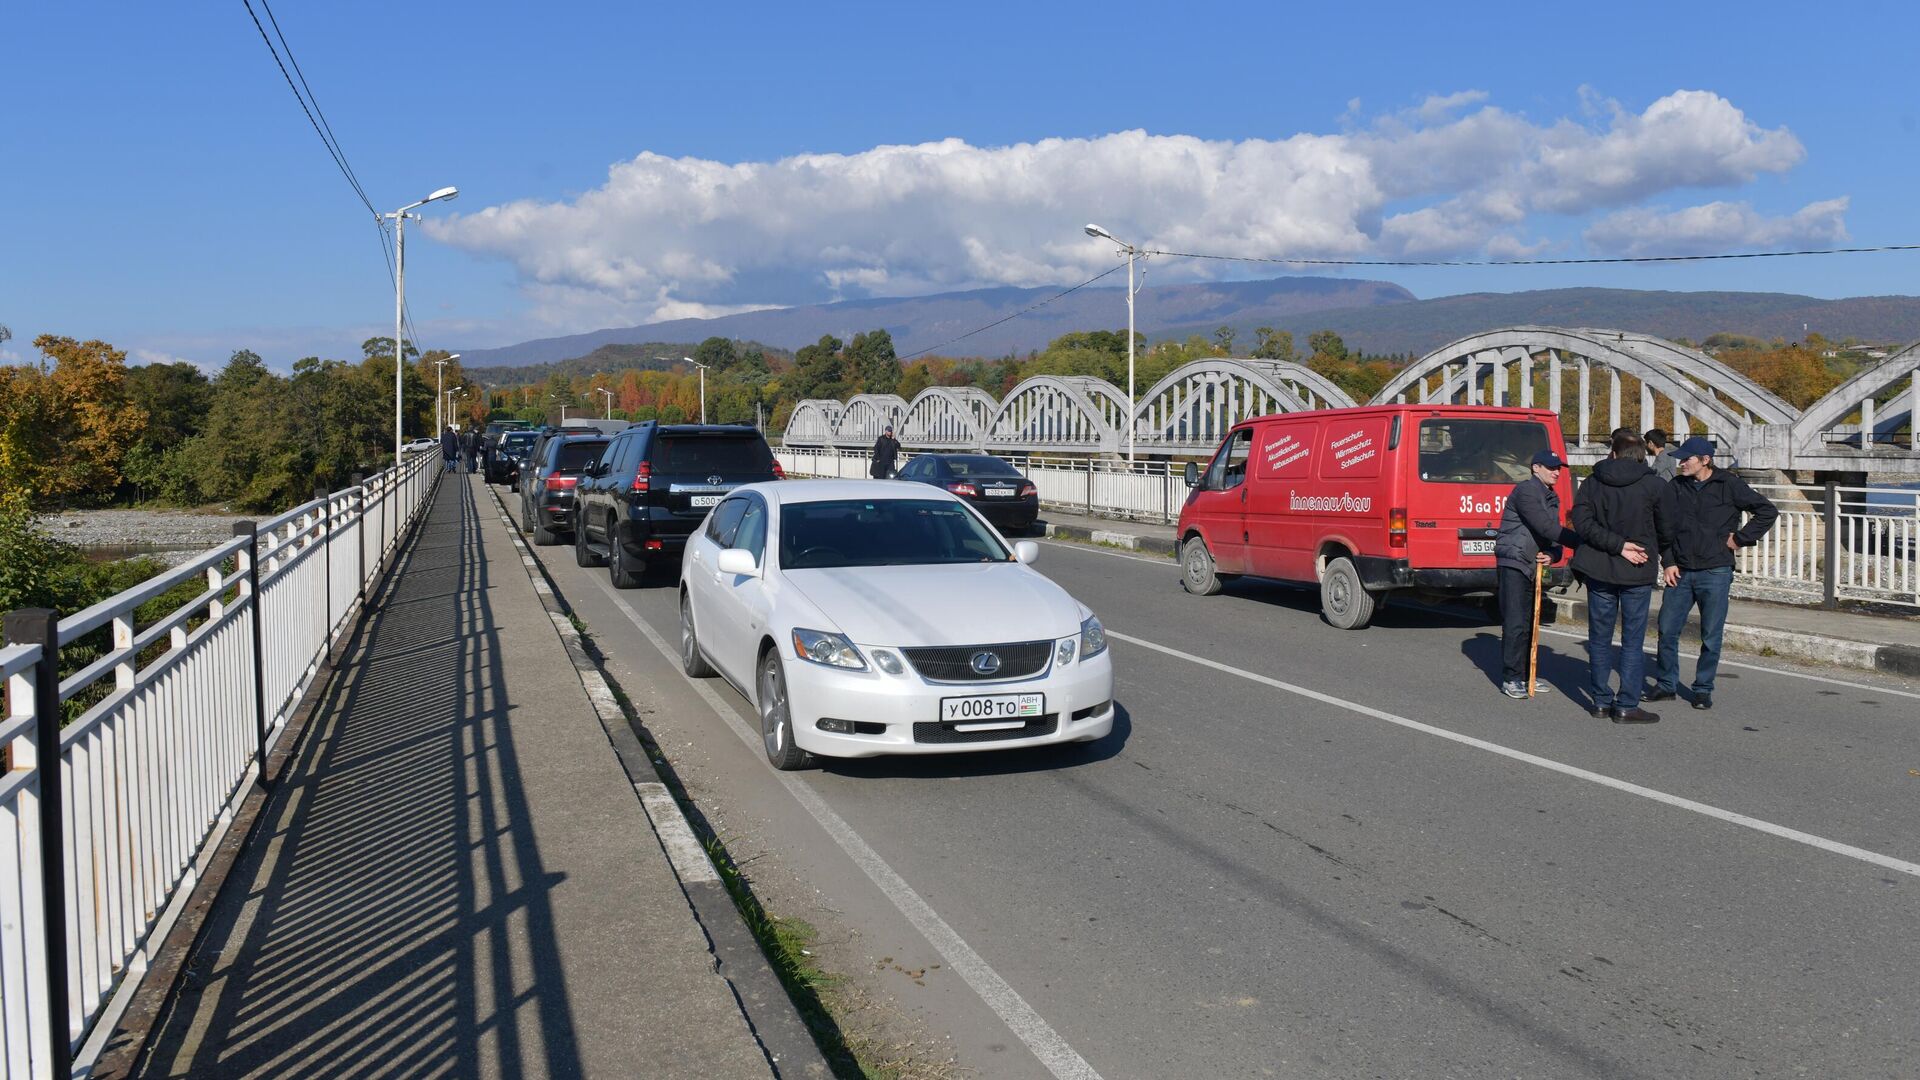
(443, 193)
(453, 356)
(1095, 230)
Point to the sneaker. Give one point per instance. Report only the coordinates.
(1514, 689)
(1657, 694)
(1635, 715)
(1540, 687)
(1703, 701)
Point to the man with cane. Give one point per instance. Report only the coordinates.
(1528, 543)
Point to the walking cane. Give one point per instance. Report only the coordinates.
(1533, 643)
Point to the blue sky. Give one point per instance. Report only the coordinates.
(161, 189)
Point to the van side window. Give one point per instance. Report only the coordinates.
(1286, 451)
(1229, 468)
(1354, 449)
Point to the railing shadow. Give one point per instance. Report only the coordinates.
(391, 918)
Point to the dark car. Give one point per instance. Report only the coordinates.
(547, 484)
(549, 433)
(509, 453)
(989, 484)
(655, 484)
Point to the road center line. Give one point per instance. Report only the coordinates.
(1027, 1025)
(1729, 816)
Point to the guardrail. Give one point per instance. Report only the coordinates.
(1855, 543)
(176, 718)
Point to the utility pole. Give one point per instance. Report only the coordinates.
(399, 218)
(1132, 253)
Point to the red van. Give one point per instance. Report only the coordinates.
(1363, 501)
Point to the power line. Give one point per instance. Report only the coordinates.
(333, 151)
(1015, 315)
(1535, 262)
(332, 140)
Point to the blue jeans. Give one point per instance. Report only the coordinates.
(1708, 588)
(1626, 605)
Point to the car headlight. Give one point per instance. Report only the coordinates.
(833, 650)
(889, 661)
(1093, 638)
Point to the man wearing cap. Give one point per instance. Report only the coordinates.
(1529, 539)
(1705, 505)
(1620, 516)
(885, 449)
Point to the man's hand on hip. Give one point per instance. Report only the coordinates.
(1672, 576)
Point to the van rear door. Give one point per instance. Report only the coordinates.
(1461, 470)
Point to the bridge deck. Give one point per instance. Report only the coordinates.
(455, 877)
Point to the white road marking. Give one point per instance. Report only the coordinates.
(1685, 655)
(1027, 1025)
(1729, 816)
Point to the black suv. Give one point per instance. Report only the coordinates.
(653, 487)
(509, 453)
(547, 484)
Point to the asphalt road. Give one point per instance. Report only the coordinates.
(1305, 852)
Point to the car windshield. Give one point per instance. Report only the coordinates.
(1474, 451)
(516, 440)
(724, 454)
(980, 466)
(574, 456)
(883, 532)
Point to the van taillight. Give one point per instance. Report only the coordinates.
(1397, 527)
(643, 477)
(562, 483)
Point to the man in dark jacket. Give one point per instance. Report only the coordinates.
(450, 446)
(1705, 505)
(1619, 516)
(885, 449)
(1529, 539)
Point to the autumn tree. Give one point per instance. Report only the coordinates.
(1273, 344)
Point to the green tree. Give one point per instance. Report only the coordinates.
(383, 346)
(1273, 344)
(1328, 344)
(873, 362)
(717, 353)
(819, 370)
(1223, 340)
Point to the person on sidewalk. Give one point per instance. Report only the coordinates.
(1620, 518)
(1529, 539)
(450, 446)
(1705, 505)
(472, 443)
(1664, 464)
(885, 449)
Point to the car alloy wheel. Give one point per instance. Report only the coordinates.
(694, 664)
(776, 716)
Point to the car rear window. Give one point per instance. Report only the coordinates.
(1462, 450)
(883, 532)
(980, 466)
(519, 438)
(575, 456)
(727, 455)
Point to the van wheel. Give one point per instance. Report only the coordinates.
(1346, 603)
(620, 569)
(582, 554)
(1197, 574)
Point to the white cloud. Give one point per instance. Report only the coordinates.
(1715, 227)
(1452, 175)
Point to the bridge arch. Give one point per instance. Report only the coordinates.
(867, 415)
(1193, 405)
(1066, 412)
(948, 416)
(814, 422)
(1861, 393)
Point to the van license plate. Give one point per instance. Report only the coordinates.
(1476, 547)
(987, 709)
(699, 501)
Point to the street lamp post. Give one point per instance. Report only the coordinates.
(703, 382)
(563, 408)
(399, 218)
(609, 393)
(1132, 254)
(439, 384)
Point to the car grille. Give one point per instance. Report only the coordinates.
(954, 663)
(1043, 724)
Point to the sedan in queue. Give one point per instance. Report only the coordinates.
(989, 484)
(867, 617)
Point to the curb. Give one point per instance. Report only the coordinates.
(1901, 660)
(770, 1014)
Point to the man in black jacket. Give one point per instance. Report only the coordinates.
(1705, 504)
(1529, 540)
(1620, 517)
(885, 449)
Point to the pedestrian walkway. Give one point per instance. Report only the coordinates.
(1882, 642)
(454, 877)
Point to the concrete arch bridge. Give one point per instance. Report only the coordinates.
(1596, 379)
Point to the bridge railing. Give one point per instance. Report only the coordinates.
(1144, 491)
(156, 740)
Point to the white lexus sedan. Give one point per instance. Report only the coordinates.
(866, 617)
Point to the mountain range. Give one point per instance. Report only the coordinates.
(1374, 316)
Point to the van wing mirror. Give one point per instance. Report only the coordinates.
(1192, 475)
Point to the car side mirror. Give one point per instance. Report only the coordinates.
(1026, 551)
(1192, 475)
(737, 561)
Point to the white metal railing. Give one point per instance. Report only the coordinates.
(176, 717)
(1868, 535)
